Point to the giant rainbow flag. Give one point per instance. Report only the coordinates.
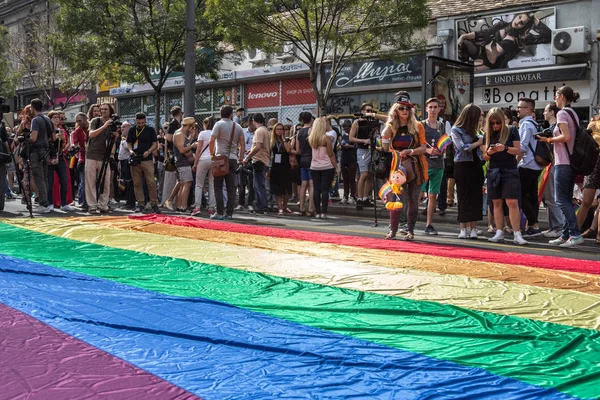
(159, 307)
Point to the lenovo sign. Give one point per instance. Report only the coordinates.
(264, 94)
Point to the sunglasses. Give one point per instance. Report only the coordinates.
(369, 111)
(495, 123)
(402, 108)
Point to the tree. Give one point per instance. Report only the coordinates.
(322, 31)
(136, 39)
(36, 61)
(8, 81)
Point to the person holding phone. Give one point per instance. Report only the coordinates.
(503, 185)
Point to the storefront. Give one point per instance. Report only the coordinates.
(279, 91)
(504, 89)
(282, 99)
(375, 82)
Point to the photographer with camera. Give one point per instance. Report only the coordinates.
(124, 169)
(363, 154)
(56, 163)
(101, 136)
(78, 139)
(41, 135)
(142, 141)
(5, 150)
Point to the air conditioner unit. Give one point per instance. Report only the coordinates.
(288, 52)
(259, 57)
(570, 41)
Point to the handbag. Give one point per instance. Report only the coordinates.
(220, 163)
(383, 165)
(53, 154)
(169, 163)
(407, 163)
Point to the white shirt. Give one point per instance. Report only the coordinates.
(204, 137)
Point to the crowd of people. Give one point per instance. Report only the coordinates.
(263, 165)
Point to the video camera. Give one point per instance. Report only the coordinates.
(135, 159)
(72, 151)
(244, 169)
(546, 133)
(4, 108)
(116, 124)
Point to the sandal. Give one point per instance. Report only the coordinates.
(288, 211)
(589, 234)
(390, 236)
(409, 237)
(280, 212)
(597, 241)
(302, 213)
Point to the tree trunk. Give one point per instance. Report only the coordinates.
(157, 93)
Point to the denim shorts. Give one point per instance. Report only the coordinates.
(508, 187)
(305, 174)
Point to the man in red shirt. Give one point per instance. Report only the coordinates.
(79, 138)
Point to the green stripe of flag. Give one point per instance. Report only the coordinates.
(538, 353)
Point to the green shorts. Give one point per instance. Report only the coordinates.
(434, 182)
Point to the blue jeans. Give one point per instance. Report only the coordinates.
(564, 181)
(81, 189)
(260, 189)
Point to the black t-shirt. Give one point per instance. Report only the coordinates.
(142, 139)
(502, 159)
(3, 134)
(305, 149)
(348, 155)
(174, 125)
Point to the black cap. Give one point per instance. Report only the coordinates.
(140, 115)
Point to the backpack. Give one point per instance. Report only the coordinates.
(585, 150)
(542, 154)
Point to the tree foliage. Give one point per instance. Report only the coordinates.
(8, 80)
(36, 61)
(136, 40)
(322, 31)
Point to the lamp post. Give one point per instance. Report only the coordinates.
(190, 60)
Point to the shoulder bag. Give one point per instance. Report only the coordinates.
(220, 163)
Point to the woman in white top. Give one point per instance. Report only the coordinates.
(323, 166)
(203, 167)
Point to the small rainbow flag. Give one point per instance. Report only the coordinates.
(443, 142)
(72, 163)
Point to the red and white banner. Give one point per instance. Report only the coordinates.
(263, 94)
(297, 91)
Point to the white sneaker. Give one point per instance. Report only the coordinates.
(558, 241)
(519, 239)
(250, 208)
(351, 200)
(51, 207)
(473, 234)
(239, 208)
(462, 234)
(44, 210)
(113, 202)
(66, 208)
(552, 233)
(344, 201)
(498, 237)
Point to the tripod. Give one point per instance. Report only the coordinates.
(26, 194)
(105, 161)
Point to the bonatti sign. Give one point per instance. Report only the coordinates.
(542, 94)
(375, 72)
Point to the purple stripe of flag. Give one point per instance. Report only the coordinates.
(40, 362)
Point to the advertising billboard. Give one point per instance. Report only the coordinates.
(451, 82)
(516, 40)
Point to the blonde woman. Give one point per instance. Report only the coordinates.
(405, 134)
(323, 166)
(503, 185)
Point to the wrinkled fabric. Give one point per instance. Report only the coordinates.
(546, 305)
(541, 354)
(218, 351)
(40, 362)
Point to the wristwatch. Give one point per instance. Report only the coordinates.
(506, 149)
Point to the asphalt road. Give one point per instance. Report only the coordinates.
(346, 220)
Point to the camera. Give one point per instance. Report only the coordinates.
(136, 159)
(116, 122)
(24, 136)
(4, 108)
(72, 151)
(546, 133)
(244, 169)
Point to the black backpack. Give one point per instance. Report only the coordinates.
(585, 150)
(543, 154)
